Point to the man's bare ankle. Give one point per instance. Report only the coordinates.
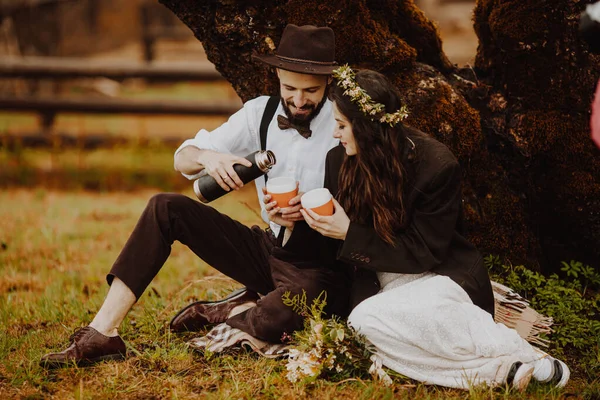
(111, 332)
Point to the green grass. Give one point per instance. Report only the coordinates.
(124, 168)
(57, 242)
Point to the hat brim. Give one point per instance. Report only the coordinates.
(302, 68)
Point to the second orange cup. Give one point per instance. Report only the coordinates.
(318, 200)
(282, 190)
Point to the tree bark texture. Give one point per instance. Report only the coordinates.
(517, 121)
(541, 79)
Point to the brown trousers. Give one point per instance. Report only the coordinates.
(242, 253)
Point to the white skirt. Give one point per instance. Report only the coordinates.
(427, 328)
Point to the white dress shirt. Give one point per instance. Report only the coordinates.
(297, 157)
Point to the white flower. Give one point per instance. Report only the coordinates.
(301, 365)
(376, 370)
(318, 348)
(345, 77)
(315, 353)
(292, 376)
(331, 362)
(318, 328)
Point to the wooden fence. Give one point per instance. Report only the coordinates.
(35, 68)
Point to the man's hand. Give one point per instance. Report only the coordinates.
(191, 160)
(292, 212)
(220, 167)
(283, 216)
(334, 226)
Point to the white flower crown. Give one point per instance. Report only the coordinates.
(345, 78)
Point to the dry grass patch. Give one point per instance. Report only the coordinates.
(56, 249)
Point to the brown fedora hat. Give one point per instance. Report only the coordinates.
(305, 49)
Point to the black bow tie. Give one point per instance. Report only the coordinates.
(285, 123)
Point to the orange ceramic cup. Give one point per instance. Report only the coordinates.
(282, 190)
(318, 200)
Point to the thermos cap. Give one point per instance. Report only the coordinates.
(265, 160)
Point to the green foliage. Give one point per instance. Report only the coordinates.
(121, 168)
(326, 348)
(298, 303)
(576, 269)
(573, 303)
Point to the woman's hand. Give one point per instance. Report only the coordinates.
(334, 226)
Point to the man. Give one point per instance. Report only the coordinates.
(253, 257)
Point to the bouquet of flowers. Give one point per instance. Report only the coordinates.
(328, 348)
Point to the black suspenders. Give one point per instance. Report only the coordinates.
(270, 109)
(268, 115)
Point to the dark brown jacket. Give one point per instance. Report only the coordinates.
(432, 240)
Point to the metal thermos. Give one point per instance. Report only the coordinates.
(207, 189)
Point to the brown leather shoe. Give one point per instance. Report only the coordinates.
(202, 314)
(89, 347)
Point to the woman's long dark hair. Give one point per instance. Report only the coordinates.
(371, 183)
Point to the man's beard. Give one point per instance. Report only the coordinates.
(303, 120)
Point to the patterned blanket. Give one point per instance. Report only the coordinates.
(511, 309)
(223, 337)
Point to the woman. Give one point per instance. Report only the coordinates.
(430, 310)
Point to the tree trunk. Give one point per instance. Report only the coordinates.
(537, 67)
(518, 122)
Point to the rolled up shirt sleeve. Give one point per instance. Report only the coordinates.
(238, 136)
